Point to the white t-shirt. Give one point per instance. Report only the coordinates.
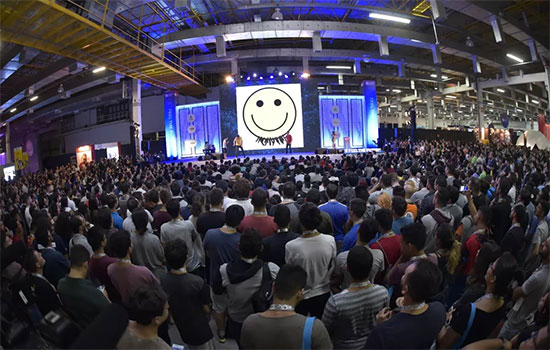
(317, 256)
(245, 204)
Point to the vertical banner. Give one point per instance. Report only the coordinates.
(18, 158)
(170, 125)
(542, 124)
(371, 106)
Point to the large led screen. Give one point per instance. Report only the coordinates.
(266, 113)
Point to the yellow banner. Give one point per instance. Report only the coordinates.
(18, 158)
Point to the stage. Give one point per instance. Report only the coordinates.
(278, 156)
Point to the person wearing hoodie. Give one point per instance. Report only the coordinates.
(437, 217)
(242, 278)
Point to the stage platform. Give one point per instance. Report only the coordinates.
(278, 156)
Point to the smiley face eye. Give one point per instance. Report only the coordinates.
(277, 102)
(260, 103)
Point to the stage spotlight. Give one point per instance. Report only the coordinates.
(248, 78)
(286, 76)
(261, 77)
(254, 75)
(241, 76)
(280, 73)
(305, 75)
(293, 73)
(271, 76)
(229, 79)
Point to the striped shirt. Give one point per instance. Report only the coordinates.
(350, 316)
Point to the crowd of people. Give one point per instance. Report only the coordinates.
(440, 244)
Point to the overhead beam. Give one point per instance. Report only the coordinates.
(329, 30)
(514, 80)
(327, 54)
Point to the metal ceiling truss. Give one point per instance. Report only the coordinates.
(328, 55)
(328, 30)
(93, 40)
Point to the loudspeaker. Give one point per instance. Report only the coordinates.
(321, 151)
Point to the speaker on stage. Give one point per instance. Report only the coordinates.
(321, 151)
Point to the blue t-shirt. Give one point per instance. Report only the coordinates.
(117, 221)
(350, 239)
(221, 248)
(399, 223)
(406, 331)
(339, 215)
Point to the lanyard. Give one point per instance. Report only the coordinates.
(410, 307)
(281, 307)
(360, 285)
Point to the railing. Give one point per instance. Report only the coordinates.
(138, 37)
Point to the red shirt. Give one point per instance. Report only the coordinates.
(264, 224)
(472, 246)
(391, 247)
(288, 138)
(97, 271)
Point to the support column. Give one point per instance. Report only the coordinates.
(547, 85)
(399, 116)
(430, 116)
(8, 143)
(479, 102)
(136, 114)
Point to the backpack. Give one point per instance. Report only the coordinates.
(439, 219)
(263, 298)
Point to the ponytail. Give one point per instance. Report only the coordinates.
(454, 257)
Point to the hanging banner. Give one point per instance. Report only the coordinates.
(18, 158)
(505, 120)
(368, 88)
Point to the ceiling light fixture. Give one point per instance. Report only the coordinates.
(305, 75)
(451, 96)
(99, 69)
(338, 67)
(389, 18)
(34, 98)
(396, 90)
(501, 91)
(433, 75)
(515, 58)
(13, 109)
(229, 79)
(535, 102)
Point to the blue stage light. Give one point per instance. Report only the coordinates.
(286, 76)
(271, 76)
(280, 73)
(248, 78)
(261, 77)
(254, 75)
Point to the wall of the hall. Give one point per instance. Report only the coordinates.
(110, 132)
(443, 123)
(152, 109)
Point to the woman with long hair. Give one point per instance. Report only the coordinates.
(198, 206)
(479, 320)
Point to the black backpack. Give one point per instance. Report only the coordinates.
(262, 299)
